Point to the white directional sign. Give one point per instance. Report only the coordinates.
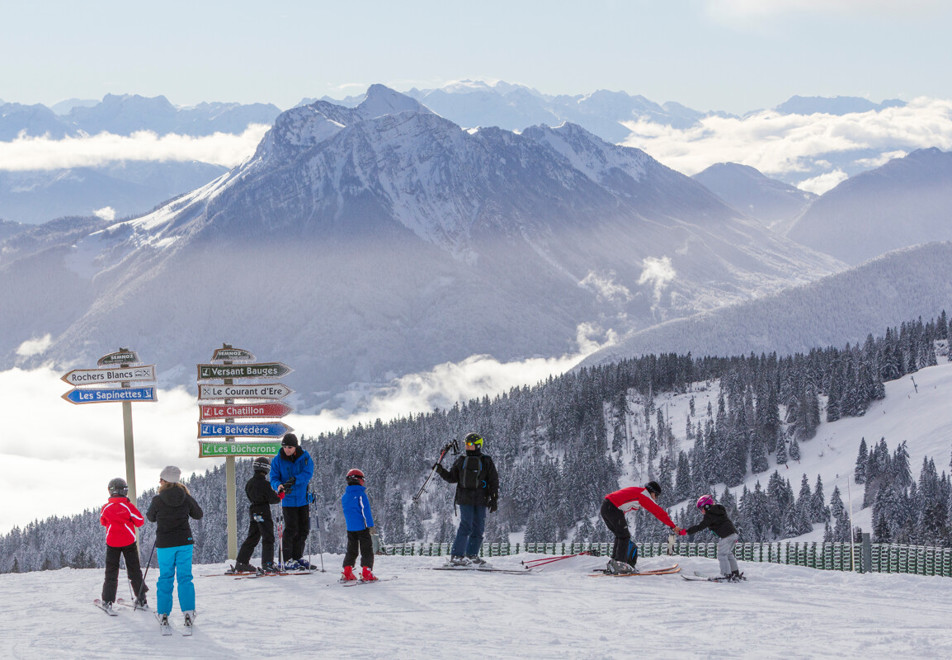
(111, 375)
(258, 391)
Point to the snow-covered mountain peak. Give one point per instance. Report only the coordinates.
(382, 100)
(598, 160)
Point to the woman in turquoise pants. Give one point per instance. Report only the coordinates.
(171, 510)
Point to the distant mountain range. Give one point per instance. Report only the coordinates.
(124, 114)
(37, 196)
(363, 243)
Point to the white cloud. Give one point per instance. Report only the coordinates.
(34, 346)
(106, 213)
(45, 153)
(778, 144)
(658, 273)
(824, 182)
(605, 287)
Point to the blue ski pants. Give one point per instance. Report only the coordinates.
(175, 562)
(469, 535)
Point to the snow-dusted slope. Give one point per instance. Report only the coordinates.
(841, 308)
(907, 201)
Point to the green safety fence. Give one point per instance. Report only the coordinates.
(861, 557)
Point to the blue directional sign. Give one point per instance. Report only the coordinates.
(244, 430)
(119, 394)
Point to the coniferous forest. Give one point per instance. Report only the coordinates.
(562, 444)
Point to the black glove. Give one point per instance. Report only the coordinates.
(493, 503)
(288, 484)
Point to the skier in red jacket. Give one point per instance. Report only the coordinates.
(614, 508)
(120, 517)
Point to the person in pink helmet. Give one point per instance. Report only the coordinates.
(715, 519)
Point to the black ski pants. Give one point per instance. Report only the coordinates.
(297, 525)
(133, 570)
(363, 541)
(615, 520)
(260, 528)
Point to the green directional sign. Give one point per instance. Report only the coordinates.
(259, 370)
(217, 449)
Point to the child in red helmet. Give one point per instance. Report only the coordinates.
(120, 517)
(360, 528)
(715, 519)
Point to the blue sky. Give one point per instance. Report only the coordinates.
(732, 55)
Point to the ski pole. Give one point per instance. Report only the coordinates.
(542, 561)
(148, 564)
(320, 542)
(451, 445)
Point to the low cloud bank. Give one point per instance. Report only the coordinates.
(800, 147)
(43, 153)
(59, 456)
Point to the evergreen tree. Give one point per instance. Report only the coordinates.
(859, 473)
(794, 450)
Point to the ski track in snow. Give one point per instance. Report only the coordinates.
(556, 612)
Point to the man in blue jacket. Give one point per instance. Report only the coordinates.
(291, 472)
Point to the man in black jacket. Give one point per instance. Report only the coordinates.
(260, 524)
(477, 489)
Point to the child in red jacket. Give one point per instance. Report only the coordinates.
(120, 517)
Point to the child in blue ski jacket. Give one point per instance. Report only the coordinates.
(360, 528)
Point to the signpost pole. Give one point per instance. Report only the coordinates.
(231, 497)
(129, 443)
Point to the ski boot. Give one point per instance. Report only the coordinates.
(477, 561)
(347, 575)
(366, 575)
(458, 561)
(616, 567)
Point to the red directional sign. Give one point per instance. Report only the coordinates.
(234, 410)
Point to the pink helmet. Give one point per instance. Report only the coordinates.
(704, 501)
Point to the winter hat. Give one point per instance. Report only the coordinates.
(170, 474)
(654, 488)
(289, 440)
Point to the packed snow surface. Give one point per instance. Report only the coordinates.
(556, 612)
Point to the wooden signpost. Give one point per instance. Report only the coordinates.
(121, 367)
(226, 409)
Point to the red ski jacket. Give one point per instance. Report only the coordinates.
(634, 498)
(120, 518)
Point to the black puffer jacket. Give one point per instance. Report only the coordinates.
(170, 510)
(486, 493)
(261, 494)
(715, 519)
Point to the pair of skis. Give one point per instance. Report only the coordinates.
(354, 583)
(667, 570)
(166, 627)
(700, 577)
(476, 569)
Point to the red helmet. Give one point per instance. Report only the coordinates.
(704, 501)
(355, 477)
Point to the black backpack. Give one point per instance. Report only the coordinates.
(470, 471)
